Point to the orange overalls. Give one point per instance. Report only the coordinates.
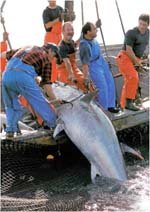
(131, 78)
(3, 60)
(63, 73)
(54, 36)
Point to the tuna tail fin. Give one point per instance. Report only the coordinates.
(126, 148)
(88, 97)
(94, 173)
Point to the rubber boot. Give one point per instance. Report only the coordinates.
(138, 100)
(10, 135)
(130, 105)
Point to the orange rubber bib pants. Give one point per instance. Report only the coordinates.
(131, 78)
(3, 61)
(63, 73)
(3, 45)
(54, 36)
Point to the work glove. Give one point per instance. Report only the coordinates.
(38, 80)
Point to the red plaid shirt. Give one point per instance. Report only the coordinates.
(36, 57)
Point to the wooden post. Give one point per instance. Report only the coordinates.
(69, 11)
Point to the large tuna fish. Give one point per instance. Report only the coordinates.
(92, 132)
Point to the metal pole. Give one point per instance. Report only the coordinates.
(120, 17)
(98, 17)
(3, 23)
(2, 6)
(82, 12)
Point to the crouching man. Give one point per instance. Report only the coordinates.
(24, 66)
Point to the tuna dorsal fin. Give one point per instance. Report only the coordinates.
(126, 148)
(59, 128)
(88, 97)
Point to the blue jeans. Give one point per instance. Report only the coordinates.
(2, 102)
(18, 79)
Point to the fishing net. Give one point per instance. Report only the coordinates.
(29, 182)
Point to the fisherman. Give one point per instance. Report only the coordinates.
(136, 41)
(96, 68)
(68, 72)
(19, 78)
(53, 17)
(4, 47)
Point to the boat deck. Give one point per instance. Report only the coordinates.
(121, 121)
(128, 118)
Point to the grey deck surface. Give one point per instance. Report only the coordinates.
(128, 118)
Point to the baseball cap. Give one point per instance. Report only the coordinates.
(55, 49)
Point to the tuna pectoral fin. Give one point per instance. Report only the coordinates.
(94, 173)
(126, 148)
(59, 128)
(88, 97)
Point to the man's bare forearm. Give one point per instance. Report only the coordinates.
(131, 54)
(68, 66)
(51, 23)
(49, 91)
(85, 70)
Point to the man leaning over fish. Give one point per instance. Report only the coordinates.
(19, 78)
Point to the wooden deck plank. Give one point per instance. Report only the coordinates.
(129, 118)
(41, 137)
